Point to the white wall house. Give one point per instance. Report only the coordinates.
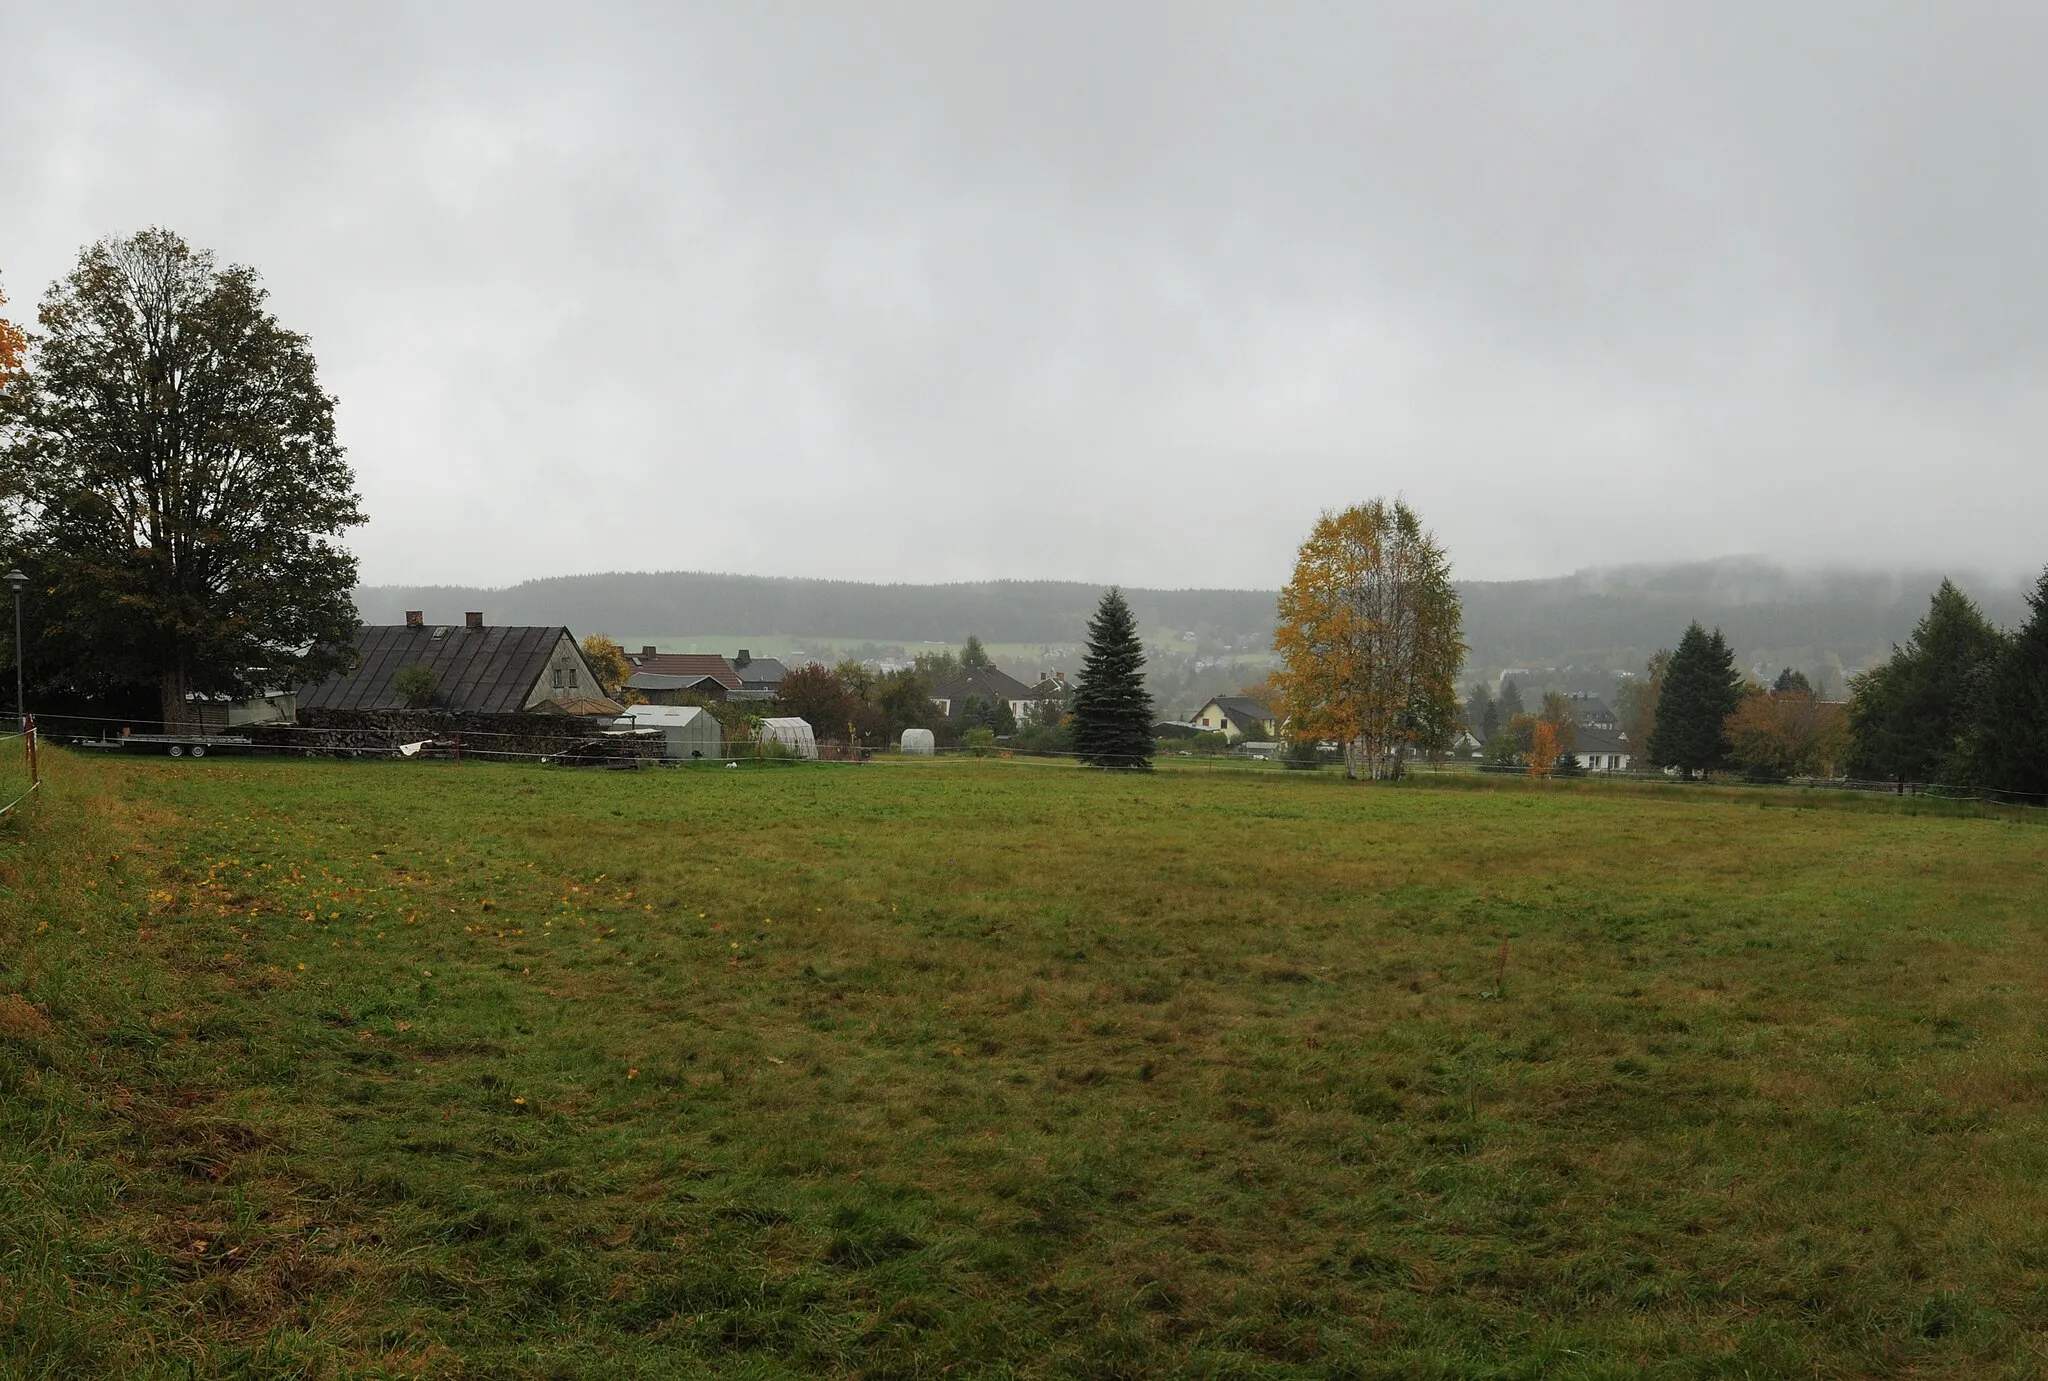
(1599, 750)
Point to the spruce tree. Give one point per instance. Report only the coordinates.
(1510, 699)
(1701, 690)
(1112, 711)
(1906, 717)
(2007, 746)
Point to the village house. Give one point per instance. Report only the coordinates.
(675, 678)
(1601, 750)
(759, 673)
(1592, 712)
(989, 685)
(1237, 717)
(469, 668)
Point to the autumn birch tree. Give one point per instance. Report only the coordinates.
(1370, 636)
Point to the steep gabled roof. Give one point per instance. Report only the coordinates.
(1586, 739)
(986, 682)
(1241, 710)
(476, 670)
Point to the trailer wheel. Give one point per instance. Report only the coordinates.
(198, 750)
(177, 750)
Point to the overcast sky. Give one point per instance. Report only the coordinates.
(1101, 291)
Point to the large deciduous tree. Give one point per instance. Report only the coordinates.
(179, 489)
(816, 695)
(1787, 731)
(1701, 689)
(1370, 636)
(1112, 711)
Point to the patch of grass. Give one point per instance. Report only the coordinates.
(380, 1069)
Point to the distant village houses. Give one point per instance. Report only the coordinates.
(673, 678)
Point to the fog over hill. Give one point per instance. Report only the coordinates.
(1593, 621)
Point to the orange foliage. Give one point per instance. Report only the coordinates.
(1368, 634)
(13, 343)
(1543, 748)
(1788, 734)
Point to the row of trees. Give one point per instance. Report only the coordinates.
(1962, 703)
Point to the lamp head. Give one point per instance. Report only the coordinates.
(17, 580)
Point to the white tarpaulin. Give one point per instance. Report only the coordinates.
(919, 741)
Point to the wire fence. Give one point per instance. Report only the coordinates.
(21, 778)
(648, 748)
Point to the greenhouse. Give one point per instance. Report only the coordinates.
(793, 735)
(689, 730)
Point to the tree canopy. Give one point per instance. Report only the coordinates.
(1907, 716)
(13, 343)
(1369, 636)
(1112, 712)
(177, 488)
(2005, 747)
(1701, 689)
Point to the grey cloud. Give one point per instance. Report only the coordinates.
(1117, 292)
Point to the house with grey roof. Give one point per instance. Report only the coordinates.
(988, 685)
(1236, 717)
(1601, 750)
(466, 668)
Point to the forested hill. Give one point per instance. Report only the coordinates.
(682, 602)
(1595, 619)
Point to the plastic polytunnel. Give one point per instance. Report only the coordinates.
(794, 735)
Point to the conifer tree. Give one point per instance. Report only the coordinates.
(1906, 717)
(1112, 711)
(2006, 748)
(1511, 699)
(1700, 691)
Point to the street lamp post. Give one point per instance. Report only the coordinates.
(17, 580)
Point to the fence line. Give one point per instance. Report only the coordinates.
(27, 735)
(478, 743)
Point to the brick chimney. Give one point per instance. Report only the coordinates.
(473, 619)
(648, 651)
(415, 618)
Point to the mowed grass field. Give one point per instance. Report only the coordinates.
(994, 1068)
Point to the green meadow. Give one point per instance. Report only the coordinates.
(993, 1068)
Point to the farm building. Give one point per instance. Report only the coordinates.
(689, 730)
(919, 742)
(466, 668)
(792, 734)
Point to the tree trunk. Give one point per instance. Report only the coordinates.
(177, 711)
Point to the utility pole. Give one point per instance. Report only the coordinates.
(17, 580)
